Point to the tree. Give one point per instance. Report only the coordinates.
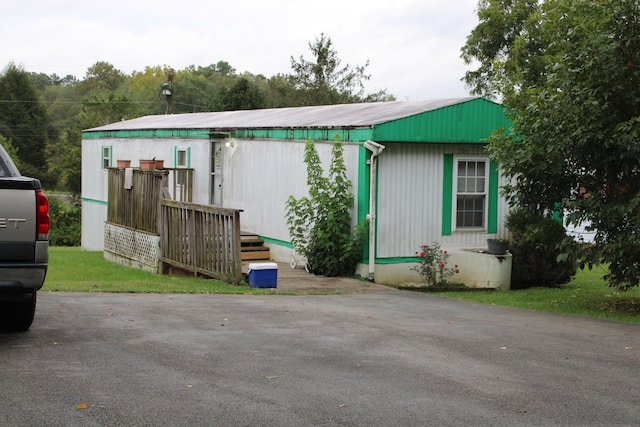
(105, 96)
(221, 68)
(63, 103)
(575, 102)
(324, 81)
(194, 92)
(71, 154)
(280, 91)
(101, 107)
(243, 95)
(507, 46)
(145, 89)
(103, 75)
(11, 151)
(25, 122)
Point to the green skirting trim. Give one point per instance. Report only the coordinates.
(380, 261)
(276, 242)
(399, 260)
(97, 202)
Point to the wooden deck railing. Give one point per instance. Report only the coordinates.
(139, 205)
(181, 184)
(201, 238)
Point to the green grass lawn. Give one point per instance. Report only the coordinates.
(74, 270)
(71, 269)
(586, 295)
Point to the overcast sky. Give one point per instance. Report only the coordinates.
(413, 45)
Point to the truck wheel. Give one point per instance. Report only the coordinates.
(20, 313)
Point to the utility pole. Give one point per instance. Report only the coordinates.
(167, 90)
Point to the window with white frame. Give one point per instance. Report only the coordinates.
(182, 158)
(106, 157)
(471, 193)
(181, 162)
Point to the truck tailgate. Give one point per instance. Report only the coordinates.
(18, 223)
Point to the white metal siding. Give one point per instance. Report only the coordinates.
(94, 216)
(94, 194)
(95, 179)
(260, 175)
(410, 183)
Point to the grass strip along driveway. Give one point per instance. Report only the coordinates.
(74, 270)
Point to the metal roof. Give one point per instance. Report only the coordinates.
(324, 116)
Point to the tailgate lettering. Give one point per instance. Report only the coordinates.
(7, 222)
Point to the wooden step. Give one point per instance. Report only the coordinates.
(252, 248)
(256, 256)
(251, 242)
(247, 235)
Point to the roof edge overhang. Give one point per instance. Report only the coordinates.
(216, 132)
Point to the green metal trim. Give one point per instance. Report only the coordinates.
(363, 184)
(219, 135)
(175, 156)
(352, 135)
(397, 260)
(97, 202)
(492, 209)
(276, 242)
(150, 133)
(447, 195)
(558, 212)
(470, 122)
(110, 147)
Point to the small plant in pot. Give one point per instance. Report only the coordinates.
(498, 245)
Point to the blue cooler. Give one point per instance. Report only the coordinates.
(263, 275)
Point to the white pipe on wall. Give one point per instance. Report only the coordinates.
(376, 149)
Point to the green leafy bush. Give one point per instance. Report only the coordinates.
(65, 223)
(320, 225)
(543, 254)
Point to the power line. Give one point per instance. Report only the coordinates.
(8, 101)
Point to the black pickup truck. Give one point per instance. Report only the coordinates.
(24, 245)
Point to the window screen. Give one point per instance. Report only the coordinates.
(471, 194)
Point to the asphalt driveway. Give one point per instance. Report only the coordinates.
(378, 358)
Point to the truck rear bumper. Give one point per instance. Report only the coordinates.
(15, 277)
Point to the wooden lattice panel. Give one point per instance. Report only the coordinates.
(132, 244)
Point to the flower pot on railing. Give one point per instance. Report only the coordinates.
(123, 164)
(159, 164)
(497, 246)
(147, 165)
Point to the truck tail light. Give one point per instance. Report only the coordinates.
(44, 221)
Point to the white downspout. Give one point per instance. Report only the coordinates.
(376, 149)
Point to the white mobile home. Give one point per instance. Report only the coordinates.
(432, 182)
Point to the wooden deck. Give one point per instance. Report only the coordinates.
(202, 239)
